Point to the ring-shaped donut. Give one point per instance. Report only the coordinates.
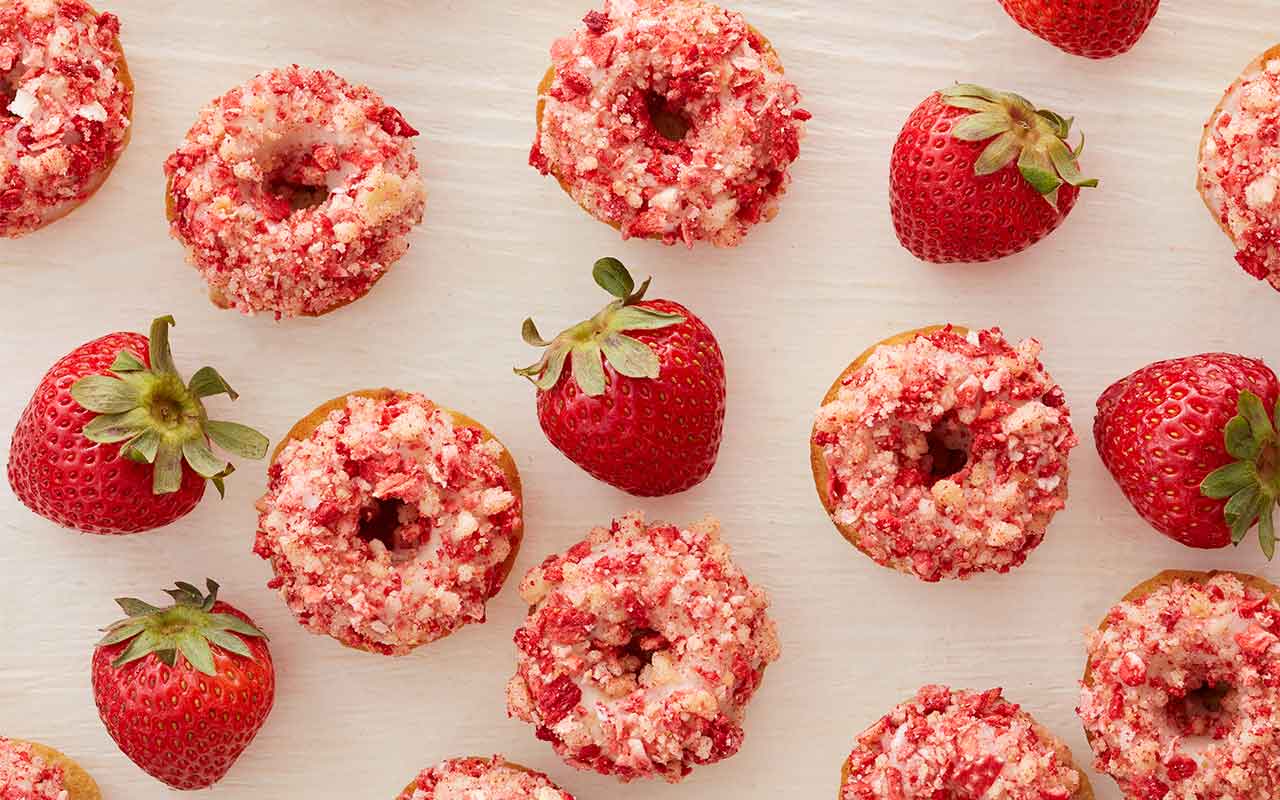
(1181, 693)
(669, 120)
(294, 192)
(35, 771)
(492, 778)
(389, 521)
(643, 646)
(942, 452)
(66, 105)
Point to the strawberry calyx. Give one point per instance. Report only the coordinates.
(1251, 483)
(1036, 139)
(189, 627)
(160, 419)
(602, 338)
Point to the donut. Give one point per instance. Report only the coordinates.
(1181, 693)
(66, 106)
(31, 771)
(960, 745)
(482, 779)
(942, 452)
(389, 521)
(293, 193)
(1239, 168)
(643, 646)
(669, 120)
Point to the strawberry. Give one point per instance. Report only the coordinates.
(183, 689)
(1192, 446)
(1089, 28)
(114, 441)
(641, 404)
(978, 175)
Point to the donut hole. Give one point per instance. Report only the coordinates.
(667, 120)
(300, 171)
(1204, 712)
(949, 447)
(296, 187)
(632, 664)
(394, 525)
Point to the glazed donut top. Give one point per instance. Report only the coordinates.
(26, 776)
(66, 107)
(962, 746)
(259, 147)
(387, 527)
(881, 438)
(1150, 707)
(1240, 169)
(691, 59)
(482, 779)
(642, 649)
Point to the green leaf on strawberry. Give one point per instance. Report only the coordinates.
(1034, 139)
(188, 627)
(1251, 483)
(160, 419)
(587, 345)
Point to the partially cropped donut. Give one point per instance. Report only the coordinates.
(960, 745)
(1181, 694)
(482, 779)
(669, 120)
(294, 192)
(30, 771)
(389, 521)
(66, 111)
(643, 646)
(942, 452)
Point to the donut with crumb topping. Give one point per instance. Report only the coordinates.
(1181, 693)
(643, 646)
(294, 193)
(1239, 169)
(961, 745)
(482, 779)
(66, 111)
(942, 452)
(30, 771)
(669, 120)
(389, 521)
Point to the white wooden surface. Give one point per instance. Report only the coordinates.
(1138, 273)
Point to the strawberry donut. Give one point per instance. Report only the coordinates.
(1239, 175)
(482, 779)
(294, 193)
(66, 102)
(30, 771)
(643, 646)
(960, 745)
(389, 521)
(669, 120)
(1181, 697)
(942, 452)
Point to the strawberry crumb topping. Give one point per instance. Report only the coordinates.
(26, 776)
(948, 454)
(482, 779)
(643, 647)
(641, 72)
(961, 746)
(1183, 696)
(1240, 170)
(294, 192)
(388, 527)
(64, 108)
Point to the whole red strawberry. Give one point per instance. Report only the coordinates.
(1192, 444)
(636, 394)
(978, 175)
(115, 441)
(1089, 28)
(184, 689)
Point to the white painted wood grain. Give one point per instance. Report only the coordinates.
(1138, 273)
